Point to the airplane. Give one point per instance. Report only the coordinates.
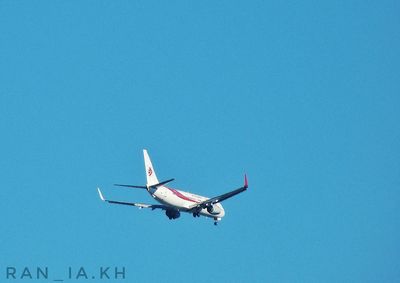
(174, 201)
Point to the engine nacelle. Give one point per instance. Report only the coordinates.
(213, 209)
(172, 214)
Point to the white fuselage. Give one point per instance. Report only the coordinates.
(184, 201)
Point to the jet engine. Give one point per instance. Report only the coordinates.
(172, 214)
(213, 209)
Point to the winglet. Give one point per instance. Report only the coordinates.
(246, 184)
(100, 194)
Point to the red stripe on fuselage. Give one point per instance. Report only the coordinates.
(180, 195)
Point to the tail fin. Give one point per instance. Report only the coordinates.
(150, 172)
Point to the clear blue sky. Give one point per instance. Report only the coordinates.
(303, 96)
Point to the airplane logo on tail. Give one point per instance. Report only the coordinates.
(150, 172)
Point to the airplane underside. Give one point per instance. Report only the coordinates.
(175, 213)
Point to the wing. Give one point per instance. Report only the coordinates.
(222, 197)
(140, 205)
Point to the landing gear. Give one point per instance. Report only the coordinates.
(216, 219)
(196, 214)
(215, 223)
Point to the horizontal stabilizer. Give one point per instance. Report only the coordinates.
(163, 183)
(131, 186)
(144, 187)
